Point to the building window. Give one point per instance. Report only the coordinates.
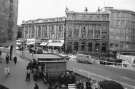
(52, 29)
(83, 46)
(39, 31)
(83, 31)
(89, 46)
(103, 37)
(33, 31)
(69, 47)
(116, 45)
(76, 46)
(90, 32)
(97, 32)
(60, 32)
(45, 31)
(69, 31)
(111, 44)
(104, 47)
(97, 46)
(76, 31)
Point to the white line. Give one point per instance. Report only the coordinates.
(128, 78)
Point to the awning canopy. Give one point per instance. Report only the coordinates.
(31, 43)
(55, 44)
(43, 43)
(58, 43)
(18, 43)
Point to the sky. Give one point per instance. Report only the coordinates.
(35, 9)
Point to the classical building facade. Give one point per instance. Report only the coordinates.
(122, 29)
(81, 31)
(87, 32)
(52, 28)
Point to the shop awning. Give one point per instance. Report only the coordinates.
(18, 43)
(31, 43)
(43, 43)
(56, 43)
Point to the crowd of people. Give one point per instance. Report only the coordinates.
(69, 78)
(34, 69)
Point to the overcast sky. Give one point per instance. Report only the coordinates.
(34, 9)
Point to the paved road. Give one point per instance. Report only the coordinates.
(17, 78)
(125, 76)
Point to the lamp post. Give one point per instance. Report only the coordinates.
(65, 36)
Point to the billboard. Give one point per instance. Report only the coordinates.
(8, 21)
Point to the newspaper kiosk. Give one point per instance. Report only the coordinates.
(53, 64)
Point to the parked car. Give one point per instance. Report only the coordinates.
(82, 58)
(110, 61)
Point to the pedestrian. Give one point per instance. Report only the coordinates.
(35, 77)
(15, 59)
(7, 59)
(28, 75)
(36, 86)
(7, 70)
(88, 84)
(79, 85)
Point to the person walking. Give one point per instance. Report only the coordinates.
(7, 70)
(36, 86)
(35, 75)
(7, 59)
(28, 75)
(15, 59)
(88, 84)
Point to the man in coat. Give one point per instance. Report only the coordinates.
(15, 59)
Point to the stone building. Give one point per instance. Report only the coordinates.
(51, 28)
(81, 31)
(19, 32)
(8, 22)
(121, 30)
(50, 32)
(87, 32)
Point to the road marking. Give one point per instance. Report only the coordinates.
(100, 76)
(124, 77)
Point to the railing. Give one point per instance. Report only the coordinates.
(122, 65)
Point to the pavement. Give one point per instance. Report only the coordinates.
(16, 80)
